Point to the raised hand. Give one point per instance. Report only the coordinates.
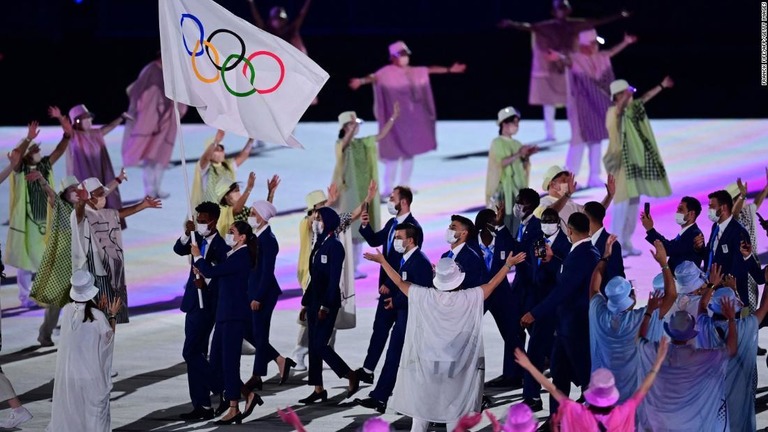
(516, 259)
(457, 68)
(500, 208)
(661, 352)
(373, 187)
(730, 282)
(715, 275)
(115, 306)
(610, 187)
(629, 39)
(468, 421)
(654, 301)
(763, 222)
(571, 184)
(82, 195)
(103, 304)
(66, 125)
(609, 245)
(54, 112)
(33, 130)
(273, 183)
(355, 83)
(646, 220)
(742, 188)
(150, 202)
(667, 82)
(123, 176)
(660, 254)
(333, 195)
(219, 136)
(251, 181)
(728, 309)
(746, 249)
(375, 257)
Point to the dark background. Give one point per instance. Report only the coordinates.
(61, 52)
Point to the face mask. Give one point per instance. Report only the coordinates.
(549, 228)
(713, 215)
(518, 211)
(562, 189)
(569, 239)
(252, 221)
(491, 230)
(392, 208)
(203, 230)
(36, 158)
(217, 157)
(450, 236)
(398, 245)
(229, 239)
(403, 60)
(317, 227)
(101, 202)
(680, 218)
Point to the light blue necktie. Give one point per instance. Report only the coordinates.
(391, 236)
(487, 255)
(450, 254)
(203, 246)
(402, 261)
(520, 231)
(712, 239)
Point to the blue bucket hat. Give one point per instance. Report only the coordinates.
(617, 290)
(689, 277)
(681, 326)
(719, 295)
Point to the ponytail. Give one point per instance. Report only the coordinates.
(88, 313)
(250, 240)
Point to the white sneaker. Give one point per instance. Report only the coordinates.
(300, 366)
(17, 417)
(298, 356)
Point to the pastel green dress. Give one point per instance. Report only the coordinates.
(504, 181)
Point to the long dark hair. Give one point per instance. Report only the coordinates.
(250, 240)
(89, 305)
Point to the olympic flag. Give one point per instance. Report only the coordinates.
(241, 79)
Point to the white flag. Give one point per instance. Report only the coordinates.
(241, 79)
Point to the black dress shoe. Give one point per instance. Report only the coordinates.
(223, 406)
(236, 419)
(761, 351)
(486, 403)
(354, 383)
(364, 376)
(534, 404)
(372, 404)
(199, 413)
(314, 397)
(505, 382)
(254, 383)
(289, 363)
(251, 402)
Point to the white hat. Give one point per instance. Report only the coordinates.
(733, 190)
(507, 113)
(67, 182)
(348, 116)
(619, 86)
(91, 184)
(265, 209)
(397, 47)
(588, 36)
(552, 172)
(78, 111)
(448, 275)
(82, 286)
(314, 198)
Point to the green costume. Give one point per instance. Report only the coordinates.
(51, 285)
(356, 166)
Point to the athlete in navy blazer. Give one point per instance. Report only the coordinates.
(459, 232)
(232, 314)
(417, 270)
(198, 323)
(615, 265)
(680, 248)
(400, 203)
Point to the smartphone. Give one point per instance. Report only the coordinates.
(647, 209)
(540, 248)
(365, 207)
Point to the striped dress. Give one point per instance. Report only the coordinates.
(589, 79)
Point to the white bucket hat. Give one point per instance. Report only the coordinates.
(619, 86)
(91, 184)
(67, 182)
(552, 172)
(78, 111)
(507, 113)
(348, 116)
(82, 286)
(448, 275)
(314, 198)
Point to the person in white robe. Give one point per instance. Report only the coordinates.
(82, 382)
(442, 367)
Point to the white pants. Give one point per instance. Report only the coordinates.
(358, 253)
(549, 121)
(419, 425)
(390, 169)
(576, 153)
(625, 215)
(153, 177)
(24, 280)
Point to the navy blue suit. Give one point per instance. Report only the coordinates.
(569, 303)
(418, 271)
(728, 256)
(384, 318)
(472, 265)
(232, 316)
(324, 291)
(543, 329)
(524, 241)
(680, 248)
(615, 264)
(198, 323)
(263, 288)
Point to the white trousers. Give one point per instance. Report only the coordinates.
(625, 215)
(357, 253)
(549, 121)
(419, 425)
(24, 280)
(153, 177)
(576, 153)
(390, 170)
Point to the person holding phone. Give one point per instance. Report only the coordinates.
(681, 248)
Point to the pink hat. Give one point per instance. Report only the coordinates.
(520, 419)
(376, 424)
(396, 48)
(602, 391)
(78, 111)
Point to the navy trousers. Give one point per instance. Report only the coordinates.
(261, 320)
(320, 332)
(382, 324)
(539, 348)
(201, 377)
(386, 383)
(504, 306)
(570, 363)
(226, 347)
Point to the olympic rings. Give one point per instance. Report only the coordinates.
(242, 49)
(199, 26)
(231, 62)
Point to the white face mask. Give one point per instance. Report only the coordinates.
(36, 158)
(450, 236)
(713, 215)
(518, 211)
(403, 60)
(562, 189)
(203, 229)
(252, 221)
(317, 227)
(392, 208)
(680, 218)
(101, 202)
(549, 228)
(234, 196)
(398, 245)
(229, 239)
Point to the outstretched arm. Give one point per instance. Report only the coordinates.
(391, 273)
(761, 197)
(205, 158)
(670, 288)
(516, 25)
(355, 83)
(628, 40)
(147, 202)
(732, 339)
(512, 261)
(610, 191)
(597, 274)
(244, 153)
(358, 211)
(257, 20)
(455, 68)
(526, 364)
(302, 15)
(55, 113)
(272, 185)
(107, 128)
(650, 94)
(240, 203)
(608, 19)
(391, 122)
(651, 377)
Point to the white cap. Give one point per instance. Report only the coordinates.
(67, 182)
(619, 86)
(314, 198)
(507, 113)
(448, 275)
(91, 184)
(397, 47)
(550, 175)
(82, 286)
(348, 116)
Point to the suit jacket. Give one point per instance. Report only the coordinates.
(569, 301)
(215, 254)
(728, 256)
(262, 282)
(680, 248)
(325, 273)
(547, 273)
(233, 274)
(526, 270)
(381, 238)
(615, 264)
(417, 270)
(472, 265)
